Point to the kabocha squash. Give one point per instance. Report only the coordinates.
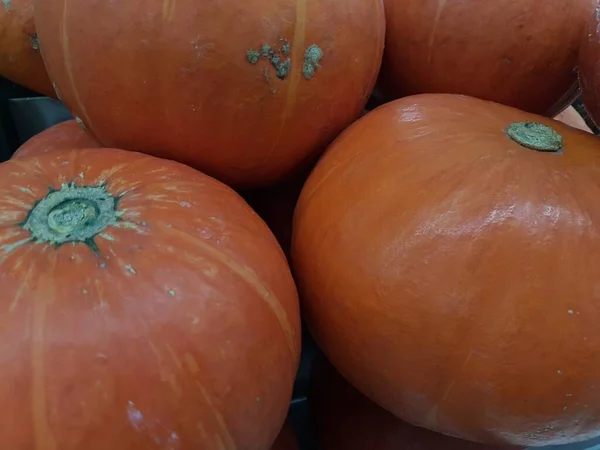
(518, 53)
(67, 135)
(287, 439)
(445, 251)
(20, 59)
(144, 304)
(589, 72)
(244, 91)
(346, 419)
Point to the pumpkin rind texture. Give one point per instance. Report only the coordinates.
(20, 59)
(450, 273)
(518, 53)
(247, 92)
(176, 325)
(346, 419)
(67, 135)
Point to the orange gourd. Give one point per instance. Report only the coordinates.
(20, 59)
(448, 268)
(245, 91)
(67, 135)
(519, 53)
(287, 439)
(144, 305)
(346, 419)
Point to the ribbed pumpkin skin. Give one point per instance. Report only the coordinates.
(175, 78)
(181, 330)
(287, 439)
(521, 53)
(20, 59)
(589, 72)
(346, 419)
(451, 274)
(67, 135)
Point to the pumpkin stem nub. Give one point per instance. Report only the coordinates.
(72, 214)
(535, 136)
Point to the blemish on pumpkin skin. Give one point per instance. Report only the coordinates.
(9, 248)
(129, 268)
(312, 59)
(26, 190)
(33, 40)
(81, 123)
(7, 5)
(277, 58)
(56, 91)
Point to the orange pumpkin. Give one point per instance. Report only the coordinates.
(144, 305)
(519, 53)
(244, 91)
(287, 439)
(346, 419)
(589, 72)
(20, 59)
(448, 269)
(67, 135)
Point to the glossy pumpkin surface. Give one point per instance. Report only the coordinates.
(144, 304)
(518, 53)
(67, 135)
(450, 273)
(346, 419)
(244, 91)
(20, 59)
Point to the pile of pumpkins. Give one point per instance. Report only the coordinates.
(222, 176)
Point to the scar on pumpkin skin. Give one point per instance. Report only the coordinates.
(81, 123)
(33, 40)
(277, 58)
(312, 58)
